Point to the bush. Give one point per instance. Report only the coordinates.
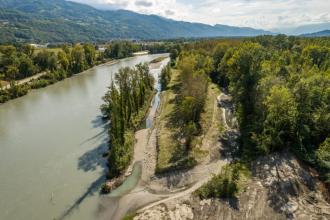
(225, 185)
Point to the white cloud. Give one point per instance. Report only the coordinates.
(266, 14)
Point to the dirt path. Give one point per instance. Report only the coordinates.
(280, 189)
(200, 174)
(38, 75)
(26, 80)
(151, 190)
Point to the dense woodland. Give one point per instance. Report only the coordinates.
(125, 105)
(281, 91)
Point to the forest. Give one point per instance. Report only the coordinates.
(281, 90)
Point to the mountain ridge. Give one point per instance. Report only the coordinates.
(65, 21)
(324, 33)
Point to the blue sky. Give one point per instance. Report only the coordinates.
(266, 14)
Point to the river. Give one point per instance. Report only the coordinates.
(51, 145)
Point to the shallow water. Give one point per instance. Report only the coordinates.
(51, 145)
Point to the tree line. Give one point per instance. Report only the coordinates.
(125, 105)
(23, 60)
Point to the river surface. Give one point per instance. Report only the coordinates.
(51, 146)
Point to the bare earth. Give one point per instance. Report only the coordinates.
(280, 188)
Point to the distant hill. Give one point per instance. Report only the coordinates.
(325, 33)
(304, 29)
(64, 21)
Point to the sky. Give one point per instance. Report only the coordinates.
(265, 14)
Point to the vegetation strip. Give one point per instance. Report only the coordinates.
(125, 105)
(23, 61)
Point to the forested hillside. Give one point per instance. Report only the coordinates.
(65, 21)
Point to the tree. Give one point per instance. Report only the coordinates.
(90, 54)
(12, 72)
(28, 50)
(41, 59)
(318, 56)
(63, 60)
(165, 77)
(244, 72)
(280, 122)
(78, 61)
(174, 53)
(9, 62)
(26, 67)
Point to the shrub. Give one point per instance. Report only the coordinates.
(225, 185)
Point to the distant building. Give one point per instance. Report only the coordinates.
(39, 45)
(101, 49)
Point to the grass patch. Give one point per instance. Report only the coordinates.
(129, 216)
(168, 146)
(206, 120)
(158, 59)
(172, 154)
(55, 50)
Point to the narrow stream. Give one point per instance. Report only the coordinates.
(133, 179)
(51, 146)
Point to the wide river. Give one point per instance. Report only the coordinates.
(51, 146)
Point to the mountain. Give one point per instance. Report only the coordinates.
(65, 21)
(325, 33)
(304, 29)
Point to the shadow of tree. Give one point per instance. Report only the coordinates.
(91, 190)
(99, 121)
(234, 203)
(93, 158)
(90, 161)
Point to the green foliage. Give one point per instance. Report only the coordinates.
(90, 54)
(46, 60)
(227, 184)
(280, 87)
(165, 77)
(127, 96)
(78, 60)
(26, 67)
(22, 61)
(121, 49)
(129, 216)
(194, 70)
(323, 155)
(280, 121)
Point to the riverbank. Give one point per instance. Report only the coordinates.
(40, 80)
(153, 189)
